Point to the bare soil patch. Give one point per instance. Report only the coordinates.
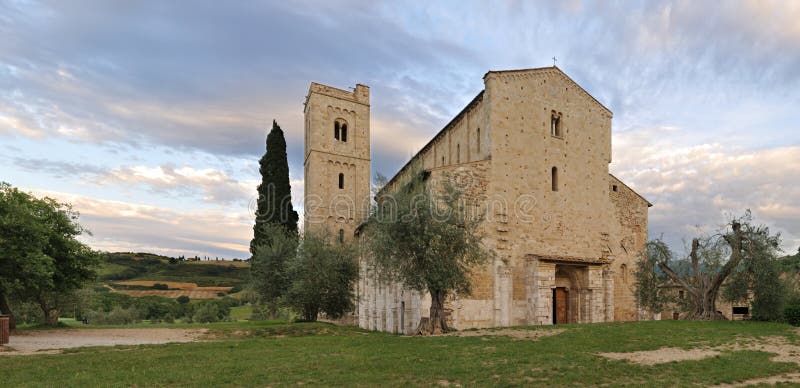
(519, 334)
(54, 341)
(659, 356)
(784, 351)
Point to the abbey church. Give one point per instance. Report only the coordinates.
(532, 151)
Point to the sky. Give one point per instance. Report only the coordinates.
(150, 116)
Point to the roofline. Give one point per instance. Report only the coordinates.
(471, 104)
(550, 68)
(632, 190)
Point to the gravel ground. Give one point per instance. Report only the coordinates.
(53, 341)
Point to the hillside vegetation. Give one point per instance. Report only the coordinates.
(124, 266)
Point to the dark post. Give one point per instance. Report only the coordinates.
(4, 331)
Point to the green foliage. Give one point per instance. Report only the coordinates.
(791, 314)
(427, 239)
(117, 316)
(648, 281)
(41, 258)
(274, 192)
(268, 266)
(156, 308)
(160, 286)
(183, 299)
(213, 310)
(323, 275)
(107, 301)
(758, 276)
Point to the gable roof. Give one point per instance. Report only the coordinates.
(550, 69)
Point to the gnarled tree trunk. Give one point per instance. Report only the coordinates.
(437, 323)
(704, 288)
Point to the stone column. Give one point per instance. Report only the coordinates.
(608, 288)
(544, 282)
(502, 294)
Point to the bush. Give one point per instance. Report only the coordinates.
(206, 312)
(160, 286)
(117, 316)
(792, 315)
(156, 307)
(183, 299)
(213, 310)
(107, 301)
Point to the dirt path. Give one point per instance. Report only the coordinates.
(53, 341)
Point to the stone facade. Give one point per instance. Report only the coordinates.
(531, 153)
(336, 159)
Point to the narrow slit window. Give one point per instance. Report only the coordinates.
(555, 124)
(344, 132)
(458, 153)
(554, 178)
(478, 136)
(341, 236)
(336, 130)
(341, 180)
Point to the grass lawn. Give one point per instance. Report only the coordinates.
(241, 313)
(274, 353)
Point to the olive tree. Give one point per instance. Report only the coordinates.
(424, 236)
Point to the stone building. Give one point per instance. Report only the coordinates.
(531, 151)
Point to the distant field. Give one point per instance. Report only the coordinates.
(193, 294)
(280, 354)
(173, 285)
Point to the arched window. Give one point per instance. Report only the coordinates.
(458, 153)
(554, 178)
(624, 272)
(341, 236)
(442, 160)
(336, 129)
(344, 132)
(478, 135)
(555, 124)
(341, 180)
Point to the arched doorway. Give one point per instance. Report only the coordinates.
(568, 291)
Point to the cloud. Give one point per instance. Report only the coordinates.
(122, 226)
(707, 184)
(212, 185)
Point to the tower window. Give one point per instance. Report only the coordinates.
(555, 124)
(340, 130)
(554, 178)
(458, 153)
(478, 135)
(442, 160)
(341, 236)
(341, 180)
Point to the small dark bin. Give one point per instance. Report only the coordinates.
(4, 331)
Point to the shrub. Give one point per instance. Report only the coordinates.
(156, 307)
(183, 299)
(160, 286)
(117, 316)
(107, 301)
(792, 315)
(206, 312)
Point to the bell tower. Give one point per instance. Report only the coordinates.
(336, 160)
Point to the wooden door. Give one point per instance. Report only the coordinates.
(560, 304)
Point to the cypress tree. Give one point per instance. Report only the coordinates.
(274, 192)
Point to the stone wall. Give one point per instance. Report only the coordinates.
(500, 150)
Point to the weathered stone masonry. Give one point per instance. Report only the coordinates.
(565, 231)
